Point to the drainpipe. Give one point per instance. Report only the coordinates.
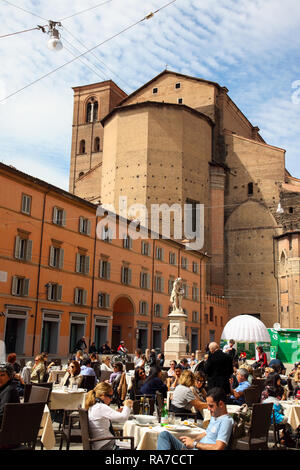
(93, 282)
(39, 274)
(76, 144)
(152, 292)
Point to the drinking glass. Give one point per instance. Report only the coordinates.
(171, 418)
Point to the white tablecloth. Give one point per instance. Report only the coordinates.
(66, 400)
(46, 432)
(292, 412)
(145, 438)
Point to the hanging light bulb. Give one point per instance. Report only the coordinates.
(279, 209)
(54, 43)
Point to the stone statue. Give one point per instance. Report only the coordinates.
(177, 294)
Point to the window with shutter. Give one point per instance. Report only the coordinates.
(26, 204)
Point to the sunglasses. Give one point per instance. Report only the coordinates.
(108, 395)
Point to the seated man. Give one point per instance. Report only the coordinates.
(173, 381)
(217, 434)
(237, 394)
(86, 369)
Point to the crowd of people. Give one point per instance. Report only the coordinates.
(214, 382)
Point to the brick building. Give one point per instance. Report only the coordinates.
(181, 139)
(59, 281)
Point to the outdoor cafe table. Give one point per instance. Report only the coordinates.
(145, 437)
(46, 433)
(292, 412)
(66, 399)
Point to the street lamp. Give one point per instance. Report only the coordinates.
(54, 43)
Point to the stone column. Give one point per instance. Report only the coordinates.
(175, 346)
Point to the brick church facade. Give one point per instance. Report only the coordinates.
(180, 139)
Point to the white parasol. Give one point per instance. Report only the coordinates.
(246, 329)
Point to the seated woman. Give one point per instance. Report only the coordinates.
(171, 371)
(8, 392)
(12, 359)
(184, 398)
(72, 376)
(38, 371)
(101, 416)
(199, 387)
(137, 382)
(118, 369)
(154, 383)
(106, 365)
(137, 357)
(173, 381)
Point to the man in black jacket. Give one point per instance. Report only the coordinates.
(8, 391)
(218, 368)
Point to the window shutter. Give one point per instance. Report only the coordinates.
(87, 265)
(101, 268)
(148, 281)
(58, 292)
(162, 284)
(80, 224)
(108, 270)
(140, 307)
(17, 247)
(28, 250)
(162, 253)
(54, 215)
(143, 248)
(77, 262)
(63, 222)
(129, 242)
(107, 300)
(175, 259)
(141, 279)
(84, 297)
(49, 291)
(147, 308)
(51, 256)
(122, 274)
(61, 258)
(25, 287)
(186, 291)
(76, 295)
(129, 276)
(14, 286)
(88, 227)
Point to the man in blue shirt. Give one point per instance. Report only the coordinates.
(217, 434)
(237, 394)
(86, 369)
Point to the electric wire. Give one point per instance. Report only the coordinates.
(84, 53)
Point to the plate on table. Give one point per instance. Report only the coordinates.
(144, 425)
(175, 427)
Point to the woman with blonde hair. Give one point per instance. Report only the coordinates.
(100, 415)
(183, 397)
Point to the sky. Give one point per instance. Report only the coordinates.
(250, 46)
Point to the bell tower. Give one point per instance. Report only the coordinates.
(91, 104)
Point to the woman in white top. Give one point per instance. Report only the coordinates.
(101, 415)
(106, 365)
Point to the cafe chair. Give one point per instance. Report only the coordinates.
(20, 425)
(258, 432)
(105, 375)
(39, 394)
(129, 366)
(28, 387)
(87, 441)
(88, 382)
(70, 429)
(252, 395)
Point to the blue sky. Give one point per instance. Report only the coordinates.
(250, 46)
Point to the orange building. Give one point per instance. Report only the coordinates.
(59, 281)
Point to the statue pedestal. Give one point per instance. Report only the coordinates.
(176, 344)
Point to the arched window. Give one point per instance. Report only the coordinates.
(92, 110)
(82, 146)
(97, 144)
